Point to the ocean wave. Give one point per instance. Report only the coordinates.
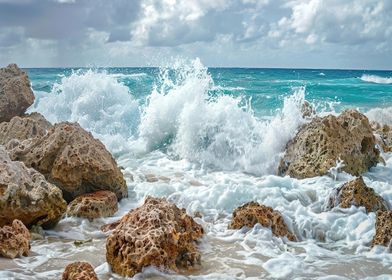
(376, 79)
(380, 115)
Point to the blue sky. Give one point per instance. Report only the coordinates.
(247, 33)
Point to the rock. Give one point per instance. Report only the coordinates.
(79, 271)
(26, 195)
(93, 205)
(320, 144)
(14, 240)
(358, 194)
(307, 110)
(157, 233)
(384, 136)
(15, 92)
(72, 159)
(383, 229)
(252, 213)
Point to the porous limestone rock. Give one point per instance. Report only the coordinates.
(73, 160)
(252, 213)
(14, 240)
(26, 195)
(158, 233)
(383, 229)
(384, 136)
(323, 142)
(79, 271)
(358, 194)
(15, 92)
(93, 205)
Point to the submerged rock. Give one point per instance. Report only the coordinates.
(79, 271)
(384, 133)
(93, 205)
(14, 240)
(383, 229)
(323, 142)
(15, 92)
(73, 159)
(358, 194)
(157, 233)
(26, 195)
(252, 213)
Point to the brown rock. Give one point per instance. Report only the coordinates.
(79, 271)
(157, 233)
(383, 229)
(73, 159)
(321, 143)
(26, 195)
(358, 194)
(15, 92)
(93, 205)
(384, 133)
(252, 213)
(14, 240)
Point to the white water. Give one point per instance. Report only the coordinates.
(376, 79)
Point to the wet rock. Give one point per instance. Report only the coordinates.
(320, 144)
(14, 240)
(307, 110)
(358, 194)
(157, 233)
(27, 196)
(15, 92)
(79, 271)
(383, 229)
(383, 135)
(37, 232)
(252, 213)
(73, 159)
(93, 205)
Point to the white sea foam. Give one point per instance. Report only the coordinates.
(380, 115)
(376, 79)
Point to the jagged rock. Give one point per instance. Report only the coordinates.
(384, 136)
(14, 240)
(320, 144)
(157, 233)
(307, 110)
(93, 205)
(72, 159)
(15, 92)
(252, 213)
(22, 128)
(383, 229)
(79, 271)
(358, 194)
(26, 195)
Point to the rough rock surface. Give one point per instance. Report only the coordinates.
(26, 195)
(252, 213)
(320, 144)
(384, 133)
(93, 205)
(15, 92)
(358, 194)
(157, 233)
(14, 240)
(383, 229)
(79, 271)
(72, 159)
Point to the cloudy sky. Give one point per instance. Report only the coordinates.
(248, 33)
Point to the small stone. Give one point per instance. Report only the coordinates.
(79, 271)
(14, 240)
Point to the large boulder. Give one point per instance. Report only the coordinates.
(252, 213)
(72, 159)
(26, 195)
(157, 233)
(358, 194)
(15, 92)
(383, 234)
(79, 271)
(14, 240)
(323, 142)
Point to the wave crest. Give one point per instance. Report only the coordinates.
(376, 79)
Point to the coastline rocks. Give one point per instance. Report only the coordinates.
(157, 233)
(79, 271)
(26, 195)
(320, 144)
(72, 159)
(383, 234)
(358, 194)
(14, 240)
(252, 213)
(93, 205)
(384, 133)
(15, 92)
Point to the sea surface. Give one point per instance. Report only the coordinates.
(209, 140)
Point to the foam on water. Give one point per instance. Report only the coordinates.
(376, 79)
(380, 115)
